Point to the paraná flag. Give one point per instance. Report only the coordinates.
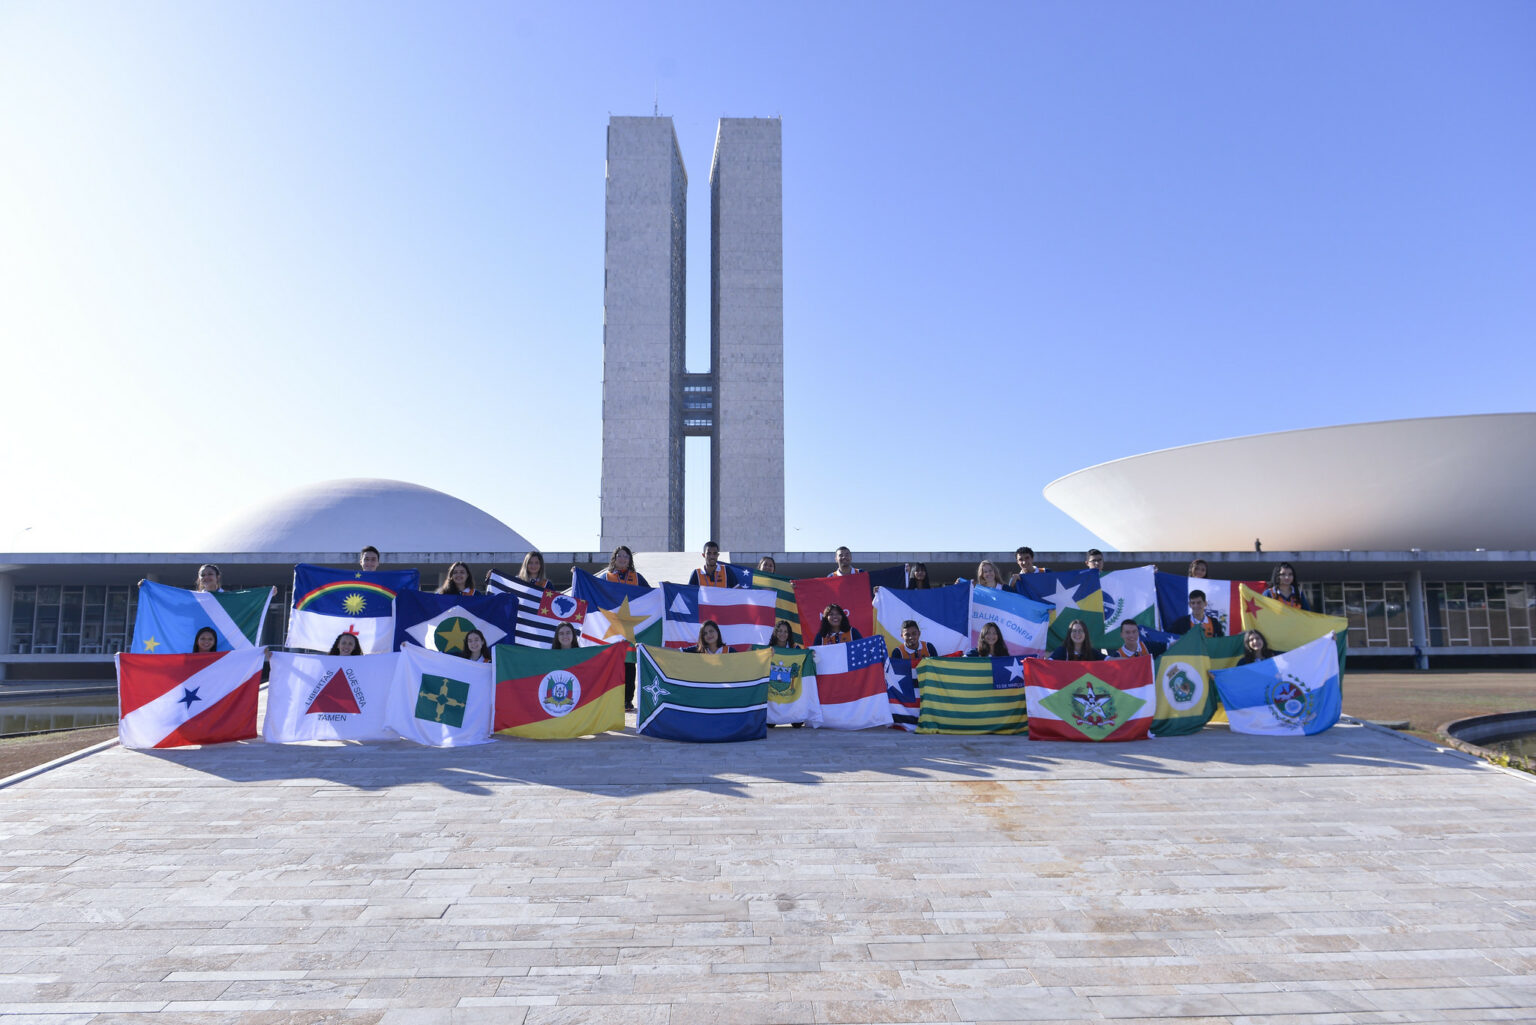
(440, 622)
(440, 700)
(1111, 700)
(745, 615)
(784, 605)
(942, 614)
(972, 695)
(550, 694)
(178, 700)
(169, 618)
(617, 612)
(1291, 694)
(1129, 594)
(1285, 627)
(327, 602)
(850, 681)
(902, 693)
(1221, 599)
(328, 697)
(539, 612)
(852, 593)
(1024, 622)
(1186, 698)
(703, 698)
(792, 692)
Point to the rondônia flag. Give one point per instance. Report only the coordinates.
(546, 694)
(180, 700)
(1112, 700)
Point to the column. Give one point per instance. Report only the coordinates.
(1417, 621)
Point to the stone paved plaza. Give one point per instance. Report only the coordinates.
(812, 877)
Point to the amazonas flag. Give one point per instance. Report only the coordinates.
(703, 698)
(440, 622)
(1289, 695)
(972, 695)
(1111, 700)
(177, 700)
(169, 618)
(850, 681)
(546, 694)
(617, 612)
(440, 700)
(942, 615)
(328, 602)
(328, 697)
(745, 615)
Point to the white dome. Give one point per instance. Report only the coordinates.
(344, 515)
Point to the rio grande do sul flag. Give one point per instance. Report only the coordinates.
(1292, 694)
(545, 694)
(1111, 700)
(440, 700)
(169, 618)
(179, 700)
(328, 697)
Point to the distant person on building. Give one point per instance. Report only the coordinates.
(1255, 648)
(844, 566)
(1198, 569)
(533, 571)
(459, 581)
(621, 568)
(1094, 560)
(1283, 586)
(713, 574)
(1199, 616)
(990, 643)
(368, 559)
(988, 575)
(913, 648)
(835, 628)
(917, 577)
(1024, 556)
(1077, 647)
(345, 644)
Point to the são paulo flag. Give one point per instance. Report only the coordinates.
(180, 700)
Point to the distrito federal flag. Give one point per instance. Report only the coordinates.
(441, 700)
(180, 700)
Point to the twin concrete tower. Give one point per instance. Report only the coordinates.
(650, 400)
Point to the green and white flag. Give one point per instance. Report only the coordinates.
(441, 700)
(1129, 594)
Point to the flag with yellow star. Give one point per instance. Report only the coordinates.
(170, 618)
(440, 622)
(617, 612)
(441, 700)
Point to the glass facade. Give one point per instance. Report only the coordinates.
(97, 619)
(1377, 611)
(1480, 614)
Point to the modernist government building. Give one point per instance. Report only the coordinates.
(1421, 532)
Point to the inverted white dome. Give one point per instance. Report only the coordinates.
(344, 515)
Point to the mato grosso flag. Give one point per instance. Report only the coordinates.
(179, 700)
(328, 602)
(972, 695)
(546, 694)
(440, 622)
(441, 700)
(792, 691)
(169, 618)
(1289, 695)
(1111, 700)
(703, 698)
(328, 697)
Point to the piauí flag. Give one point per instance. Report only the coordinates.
(745, 615)
(169, 618)
(784, 605)
(328, 602)
(1222, 599)
(328, 697)
(440, 700)
(850, 681)
(792, 693)
(1068, 594)
(703, 698)
(852, 593)
(1284, 627)
(1129, 594)
(1289, 695)
(1111, 700)
(617, 612)
(1023, 621)
(942, 614)
(546, 694)
(972, 695)
(902, 693)
(178, 700)
(1186, 698)
(440, 622)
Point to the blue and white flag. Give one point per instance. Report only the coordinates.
(1063, 591)
(942, 615)
(328, 602)
(1289, 695)
(902, 692)
(440, 622)
(1023, 622)
(169, 618)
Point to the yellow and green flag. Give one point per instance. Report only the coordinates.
(972, 695)
(1284, 627)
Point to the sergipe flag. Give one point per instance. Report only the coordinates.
(942, 615)
(328, 697)
(617, 612)
(440, 622)
(1284, 627)
(973, 695)
(328, 602)
(1129, 594)
(851, 593)
(1111, 700)
(440, 700)
(902, 693)
(1294, 694)
(703, 698)
(784, 605)
(1186, 698)
(179, 700)
(169, 618)
(547, 694)
(1023, 621)
(539, 612)
(850, 681)
(745, 615)
(792, 691)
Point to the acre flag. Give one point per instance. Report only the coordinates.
(546, 694)
(745, 615)
(1024, 622)
(169, 618)
(851, 593)
(178, 700)
(792, 691)
(851, 683)
(617, 612)
(440, 622)
(703, 698)
(1111, 700)
(1186, 699)
(942, 614)
(1289, 695)
(972, 695)
(328, 697)
(328, 602)
(440, 700)
(1283, 626)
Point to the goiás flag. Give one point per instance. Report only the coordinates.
(1023, 622)
(180, 700)
(792, 693)
(745, 615)
(169, 618)
(851, 684)
(1293, 694)
(545, 695)
(942, 615)
(539, 612)
(851, 593)
(972, 695)
(1129, 595)
(328, 697)
(440, 622)
(1111, 700)
(617, 612)
(784, 600)
(703, 698)
(902, 693)
(440, 700)
(329, 602)
(1285, 627)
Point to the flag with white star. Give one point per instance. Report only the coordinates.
(182, 700)
(328, 602)
(972, 695)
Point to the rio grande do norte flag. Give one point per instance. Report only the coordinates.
(545, 694)
(703, 698)
(180, 700)
(328, 697)
(440, 700)
(1110, 700)
(169, 618)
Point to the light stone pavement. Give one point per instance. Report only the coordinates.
(812, 877)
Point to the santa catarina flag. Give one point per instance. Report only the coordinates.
(972, 695)
(902, 693)
(792, 692)
(851, 593)
(328, 602)
(440, 622)
(850, 681)
(1129, 594)
(942, 614)
(1292, 694)
(703, 698)
(783, 589)
(179, 700)
(440, 700)
(1285, 627)
(539, 612)
(169, 618)
(1023, 622)
(617, 612)
(1186, 698)
(548, 694)
(745, 615)
(1111, 700)
(328, 697)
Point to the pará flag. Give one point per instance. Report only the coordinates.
(617, 612)
(850, 681)
(1111, 700)
(745, 615)
(169, 618)
(328, 602)
(703, 698)
(539, 612)
(942, 614)
(792, 693)
(551, 694)
(1285, 627)
(784, 604)
(1024, 622)
(179, 700)
(902, 693)
(1129, 594)
(1186, 698)
(1289, 695)
(328, 697)
(1221, 600)
(972, 695)
(440, 622)
(440, 700)
(852, 593)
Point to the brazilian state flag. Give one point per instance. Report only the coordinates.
(546, 694)
(703, 698)
(972, 695)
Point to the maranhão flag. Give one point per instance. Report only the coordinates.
(169, 618)
(328, 697)
(546, 694)
(745, 615)
(328, 602)
(1111, 700)
(851, 684)
(852, 593)
(181, 700)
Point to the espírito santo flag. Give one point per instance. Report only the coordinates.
(703, 698)
(169, 618)
(972, 695)
(328, 602)
(545, 694)
(1285, 627)
(1112, 700)
(328, 697)
(179, 700)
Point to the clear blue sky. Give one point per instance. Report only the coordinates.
(245, 247)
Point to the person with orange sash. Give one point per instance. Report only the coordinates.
(1131, 644)
(1199, 616)
(458, 581)
(835, 628)
(913, 648)
(844, 567)
(621, 568)
(713, 573)
(1283, 587)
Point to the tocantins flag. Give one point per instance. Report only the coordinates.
(440, 700)
(1111, 700)
(178, 700)
(547, 694)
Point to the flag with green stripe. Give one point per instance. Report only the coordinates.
(169, 619)
(972, 695)
(784, 605)
(703, 698)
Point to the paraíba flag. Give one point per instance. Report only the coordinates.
(440, 700)
(179, 700)
(328, 602)
(942, 615)
(328, 697)
(851, 593)
(545, 694)
(972, 695)
(440, 622)
(1111, 700)
(703, 698)
(617, 612)
(170, 618)
(792, 692)
(745, 615)
(1285, 627)
(1289, 695)
(1023, 622)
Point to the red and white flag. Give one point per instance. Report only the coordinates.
(180, 700)
(745, 615)
(850, 682)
